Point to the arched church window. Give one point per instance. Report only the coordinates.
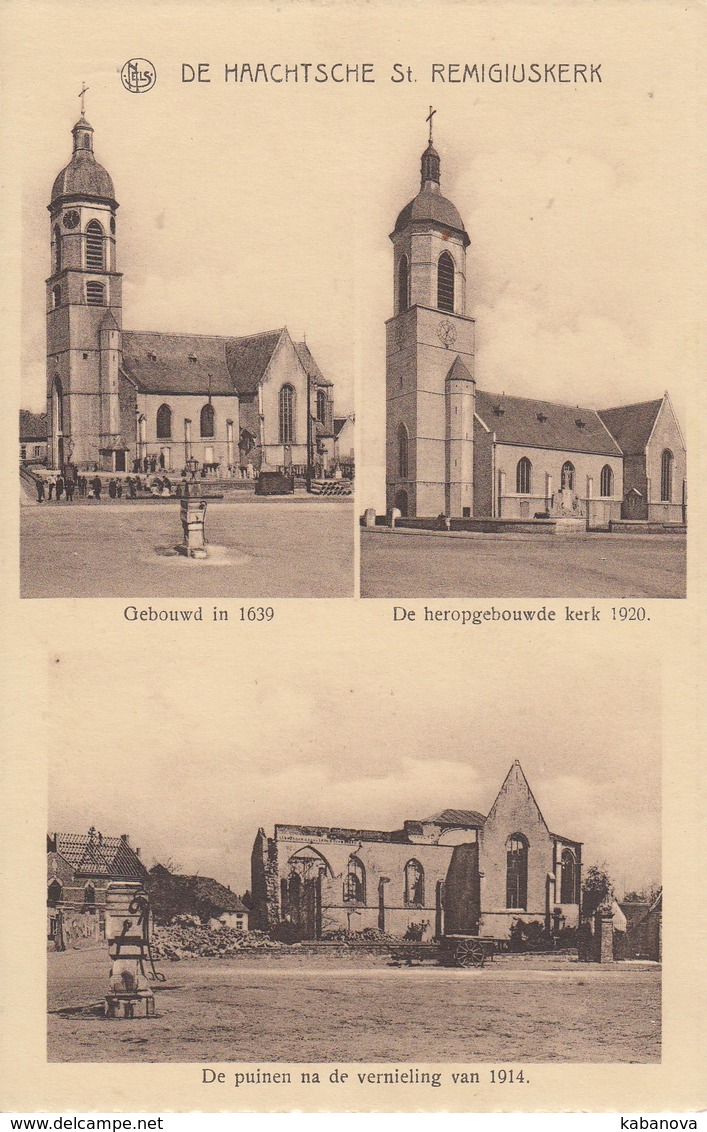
(606, 482)
(355, 882)
(568, 883)
(403, 284)
(567, 476)
(403, 464)
(287, 415)
(58, 405)
(516, 871)
(206, 423)
(414, 884)
(89, 896)
(523, 476)
(57, 250)
(666, 476)
(94, 247)
(95, 294)
(55, 894)
(56, 296)
(164, 423)
(321, 406)
(445, 283)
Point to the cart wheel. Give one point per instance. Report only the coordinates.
(469, 953)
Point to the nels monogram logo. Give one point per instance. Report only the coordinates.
(138, 75)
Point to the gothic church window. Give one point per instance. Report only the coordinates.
(321, 406)
(164, 422)
(403, 466)
(523, 474)
(206, 423)
(287, 415)
(95, 294)
(414, 884)
(516, 871)
(58, 405)
(89, 896)
(403, 284)
(355, 882)
(567, 476)
(606, 484)
(55, 894)
(57, 250)
(568, 885)
(666, 476)
(56, 297)
(445, 283)
(94, 247)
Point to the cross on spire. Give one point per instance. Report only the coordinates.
(84, 88)
(429, 119)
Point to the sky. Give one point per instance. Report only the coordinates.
(246, 207)
(197, 764)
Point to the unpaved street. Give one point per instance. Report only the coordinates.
(311, 1008)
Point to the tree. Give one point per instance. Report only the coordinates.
(647, 895)
(597, 889)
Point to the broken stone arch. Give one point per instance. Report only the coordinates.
(309, 859)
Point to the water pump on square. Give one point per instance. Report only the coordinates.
(128, 920)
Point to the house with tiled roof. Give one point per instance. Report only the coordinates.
(33, 437)
(460, 451)
(80, 868)
(457, 871)
(122, 400)
(175, 894)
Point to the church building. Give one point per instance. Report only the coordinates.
(456, 450)
(117, 399)
(455, 871)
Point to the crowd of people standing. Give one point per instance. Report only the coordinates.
(56, 487)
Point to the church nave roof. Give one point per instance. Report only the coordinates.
(545, 424)
(197, 363)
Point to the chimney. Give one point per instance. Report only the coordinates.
(125, 839)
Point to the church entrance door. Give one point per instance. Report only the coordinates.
(401, 502)
(120, 460)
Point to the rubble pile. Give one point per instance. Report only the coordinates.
(187, 938)
(366, 935)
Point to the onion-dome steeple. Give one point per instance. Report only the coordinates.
(83, 176)
(429, 166)
(429, 204)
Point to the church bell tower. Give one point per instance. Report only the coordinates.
(84, 303)
(430, 391)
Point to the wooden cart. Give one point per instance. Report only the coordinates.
(467, 950)
(456, 950)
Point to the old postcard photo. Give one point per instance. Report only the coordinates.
(400, 307)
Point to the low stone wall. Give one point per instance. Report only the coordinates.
(644, 527)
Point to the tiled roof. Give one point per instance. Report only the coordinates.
(208, 890)
(631, 425)
(544, 424)
(464, 818)
(33, 426)
(458, 371)
(197, 363)
(248, 358)
(98, 856)
(309, 364)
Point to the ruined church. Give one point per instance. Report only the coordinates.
(463, 452)
(117, 398)
(455, 871)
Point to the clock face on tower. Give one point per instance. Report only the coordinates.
(446, 332)
(71, 218)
